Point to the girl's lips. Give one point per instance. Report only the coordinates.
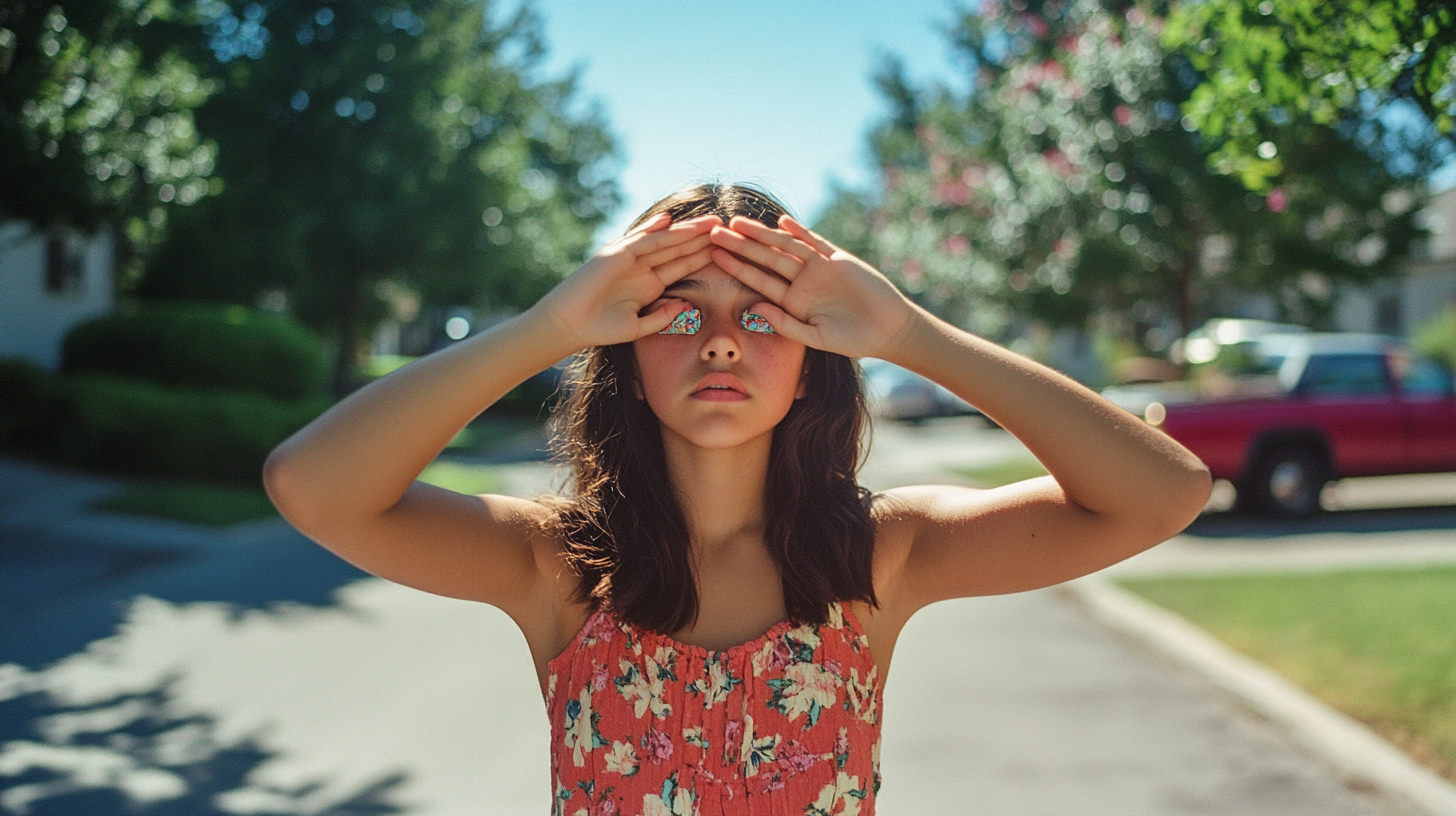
(719, 387)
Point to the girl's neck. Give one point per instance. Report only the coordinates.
(721, 490)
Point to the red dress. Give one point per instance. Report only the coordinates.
(787, 723)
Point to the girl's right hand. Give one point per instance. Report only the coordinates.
(601, 303)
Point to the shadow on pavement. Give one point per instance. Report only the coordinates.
(55, 598)
(1383, 520)
(133, 753)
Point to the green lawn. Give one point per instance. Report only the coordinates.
(1379, 645)
(209, 505)
(1003, 472)
(462, 478)
(224, 506)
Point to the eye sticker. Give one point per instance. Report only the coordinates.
(686, 323)
(755, 323)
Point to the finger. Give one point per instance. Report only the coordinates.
(652, 224)
(807, 235)
(647, 243)
(767, 284)
(674, 271)
(754, 250)
(776, 238)
(666, 254)
(661, 317)
(786, 324)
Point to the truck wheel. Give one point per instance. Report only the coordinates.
(1286, 482)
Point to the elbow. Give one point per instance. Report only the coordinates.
(1187, 496)
(284, 486)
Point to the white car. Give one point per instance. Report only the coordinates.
(897, 393)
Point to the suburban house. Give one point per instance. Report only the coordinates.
(50, 280)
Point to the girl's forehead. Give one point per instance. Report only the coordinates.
(712, 281)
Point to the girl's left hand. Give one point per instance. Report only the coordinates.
(818, 294)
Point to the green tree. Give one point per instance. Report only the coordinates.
(1266, 63)
(377, 140)
(1066, 183)
(96, 101)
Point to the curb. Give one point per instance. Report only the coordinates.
(1356, 752)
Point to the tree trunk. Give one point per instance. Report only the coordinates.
(351, 310)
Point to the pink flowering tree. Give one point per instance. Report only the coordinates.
(1066, 184)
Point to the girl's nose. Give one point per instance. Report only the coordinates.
(720, 343)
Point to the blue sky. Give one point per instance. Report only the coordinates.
(774, 93)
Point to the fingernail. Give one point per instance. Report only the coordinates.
(755, 323)
(686, 323)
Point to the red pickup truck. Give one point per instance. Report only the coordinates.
(1310, 408)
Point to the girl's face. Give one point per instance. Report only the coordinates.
(724, 385)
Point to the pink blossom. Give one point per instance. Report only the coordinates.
(794, 759)
(841, 742)
(599, 677)
(1123, 115)
(659, 746)
(952, 192)
(913, 272)
(956, 245)
(731, 732)
(780, 656)
(1277, 200)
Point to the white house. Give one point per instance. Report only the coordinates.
(1427, 287)
(50, 280)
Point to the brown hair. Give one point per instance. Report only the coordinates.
(627, 537)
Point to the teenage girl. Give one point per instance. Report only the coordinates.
(713, 610)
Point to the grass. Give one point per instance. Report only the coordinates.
(205, 504)
(1004, 472)
(1379, 645)
(462, 478)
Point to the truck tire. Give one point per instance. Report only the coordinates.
(1286, 482)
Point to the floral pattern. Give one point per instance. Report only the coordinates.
(643, 725)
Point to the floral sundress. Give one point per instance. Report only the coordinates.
(643, 725)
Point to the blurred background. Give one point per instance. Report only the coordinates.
(217, 217)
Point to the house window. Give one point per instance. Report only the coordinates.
(65, 264)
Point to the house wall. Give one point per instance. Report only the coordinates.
(1427, 287)
(33, 320)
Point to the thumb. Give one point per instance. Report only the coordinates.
(786, 324)
(661, 317)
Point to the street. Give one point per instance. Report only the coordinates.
(259, 674)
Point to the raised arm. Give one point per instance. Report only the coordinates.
(1116, 485)
(348, 479)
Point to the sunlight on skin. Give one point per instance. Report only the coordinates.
(343, 696)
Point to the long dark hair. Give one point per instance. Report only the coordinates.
(627, 537)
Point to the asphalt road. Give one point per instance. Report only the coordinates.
(259, 674)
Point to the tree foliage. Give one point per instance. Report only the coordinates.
(373, 141)
(1067, 183)
(1265, 63)
(96, 101)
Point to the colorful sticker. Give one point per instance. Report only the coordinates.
(686, 323)
(755, 323)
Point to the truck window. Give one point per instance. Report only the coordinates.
(1426, 378)
(1344, 375)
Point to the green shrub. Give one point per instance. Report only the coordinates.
(144, 429)
(201, 346)
(1437, 338)
(25, 393)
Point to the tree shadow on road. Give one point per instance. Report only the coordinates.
(137, 753)
(55, 599)
(1230, 525)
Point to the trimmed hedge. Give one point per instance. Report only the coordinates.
(198, 345)
(26, 391)
(144, 429)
